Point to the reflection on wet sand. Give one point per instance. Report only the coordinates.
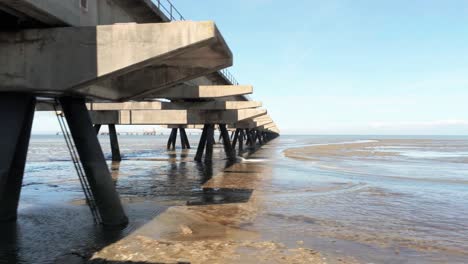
(265, 209)
(212, 229)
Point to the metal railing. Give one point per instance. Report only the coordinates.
(173, 14)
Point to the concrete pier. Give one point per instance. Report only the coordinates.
(114, 141)
(17, 113)
(124, 56)
(115, 62)
(94, 164)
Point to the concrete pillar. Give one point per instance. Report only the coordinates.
(250, 139)
(17, 114)
(171, 143)
(97, 128)
(94, 164)
(209, 143)
(184, 139)
(201, 145)
(241, 141)
(259, 137)
(114, 141)
(231, 155)
(235, 138)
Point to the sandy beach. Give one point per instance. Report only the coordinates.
(213, 233)
(299, 199)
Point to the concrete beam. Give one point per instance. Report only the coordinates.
(202, 92)
(253, 122)
(156, 105)
(117, 62)
(211, 105)
(184, 126)
(172, 117)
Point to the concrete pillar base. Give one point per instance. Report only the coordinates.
(17, 114)
(94, 163)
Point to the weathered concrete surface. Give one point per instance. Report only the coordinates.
(253, 122)
(184, 126)
(115, 62)
(74, 13)
(158, 105)
(202, 91)
(216, 105)
(211, 105)
(21, 14)
(173, 117)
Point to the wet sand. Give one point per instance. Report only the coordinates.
(296, 200)
(212, 233)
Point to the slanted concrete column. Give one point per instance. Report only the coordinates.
(201, 144)
(210, 141)
(184, 139)
(241, 141)
(259, 137)
(94, 164)
(231, 155)
(250, 138)
(171, 143)
(235, 138)
(17, 114)
(97, 128)
(114, 141)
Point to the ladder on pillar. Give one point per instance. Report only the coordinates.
(78, 166)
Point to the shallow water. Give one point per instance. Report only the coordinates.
(413, 200)
(405, 207)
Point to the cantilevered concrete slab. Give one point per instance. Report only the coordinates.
(253, 122)
(173, 117)
(117, 62)
(202, 91)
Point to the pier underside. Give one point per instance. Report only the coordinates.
(116, 62)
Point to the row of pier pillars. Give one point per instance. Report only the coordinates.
(17, 113)
(235, 144)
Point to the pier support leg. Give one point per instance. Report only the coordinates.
(235, 139)
(97, 128)
(241, 141)
(114, 141)
(250, 138)
(17, 114)
(201, 145)
(184, 139)
(259, 137)
(231, 155)
(94, 164)
(171, 143)
(209, 144)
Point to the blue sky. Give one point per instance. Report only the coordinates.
(348, 67)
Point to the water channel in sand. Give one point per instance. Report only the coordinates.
(353, 199)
